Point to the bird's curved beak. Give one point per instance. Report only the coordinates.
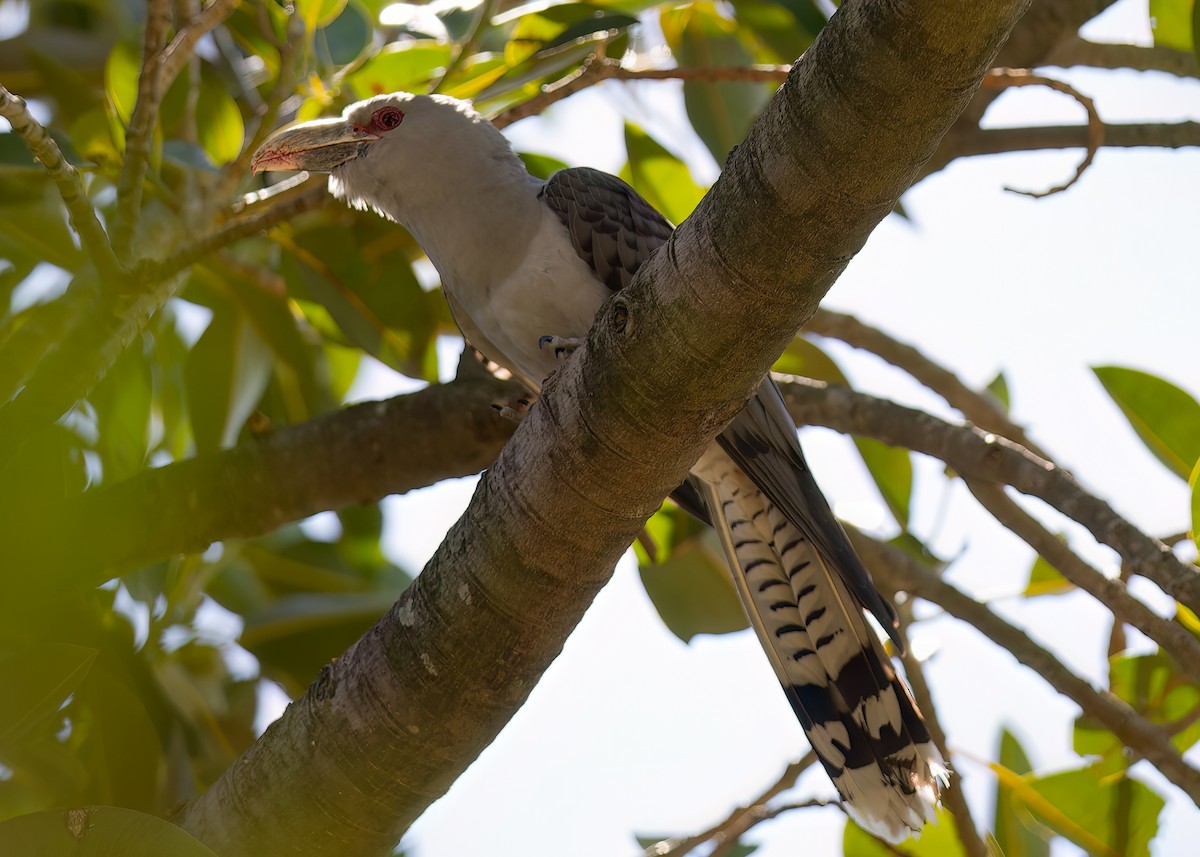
(316, 146)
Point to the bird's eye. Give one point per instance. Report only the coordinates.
(387, 118)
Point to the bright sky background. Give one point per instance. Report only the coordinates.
(632, 730)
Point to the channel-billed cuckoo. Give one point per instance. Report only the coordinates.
(523, 261)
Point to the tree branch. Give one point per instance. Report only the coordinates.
(952, 796)
(70, 187)
(357, 455)
(738, 821)
(141, 123)
(1007, 78)
(1079, 51)
(387, 728)
(1136, 732)
(1112, 593)
(179, 51)
(975, 453)
(994, 141)
(599, 68)
(979, 408)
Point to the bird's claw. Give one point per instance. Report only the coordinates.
(561, 344)
(516, 411)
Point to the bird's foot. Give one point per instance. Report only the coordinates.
(515, 411)
(561, 344)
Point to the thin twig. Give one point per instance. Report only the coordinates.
(1079, 51)
(1007, 78)
(597, 69)
(141, 123)
(972, 452)
(724, 830)
(976, 407)
(236, 171)
(180, 50)
(310, 197)
(1142, 736)
(952, 796)
(70, 187)
(995, 141)
(1112, 593)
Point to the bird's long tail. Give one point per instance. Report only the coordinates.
(857, 713)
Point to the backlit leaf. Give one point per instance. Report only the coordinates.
(1015, 831)
(97, 831)
(1166, 418)
(37, 680)
(692, 591)
(938, 839)
(891, 468)
(663, 179)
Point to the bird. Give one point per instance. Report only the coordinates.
(525, 265)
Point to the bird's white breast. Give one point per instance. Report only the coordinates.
(551, 292)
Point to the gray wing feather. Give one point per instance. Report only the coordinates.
(611, 226)
(615, 230)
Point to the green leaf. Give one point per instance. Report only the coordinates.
(319, 13)
(998, 387)
(121, 750)
(659, 176)
(363, 279)
(1114, 816)
(122, 401)
(1194, 482)
(541, 166)
(97, 831)
(408, 66)
(692, 591)
(938, 839)
(1166, 418)
(891, 468)
(1172, 22)
(700, 35)
(784, 29)
(218, 120)
(1045, 579)
(37, 680)
(1015, 835)
(121, 78)
(805, 358)
(348, 35)
(225, 373)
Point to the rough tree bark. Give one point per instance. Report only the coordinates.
(387, 728)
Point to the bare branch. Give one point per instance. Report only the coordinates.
(953, 797)
(599, 68)
(308, 196)
(993, 141)
(180, 50)
(70, 187)
(1006, 78)
(356, 455)
(738, 821)
(1079, 51)
(977, 407)
(141, 124)
(1112, 593)
(975, 453)
(1136, 732)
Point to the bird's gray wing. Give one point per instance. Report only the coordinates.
(615, 230)
(762, 441)
(611, 226)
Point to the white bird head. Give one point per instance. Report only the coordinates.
(394, 152)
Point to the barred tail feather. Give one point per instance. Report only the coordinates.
(856, 712)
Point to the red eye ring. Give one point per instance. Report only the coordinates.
(387, 118)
